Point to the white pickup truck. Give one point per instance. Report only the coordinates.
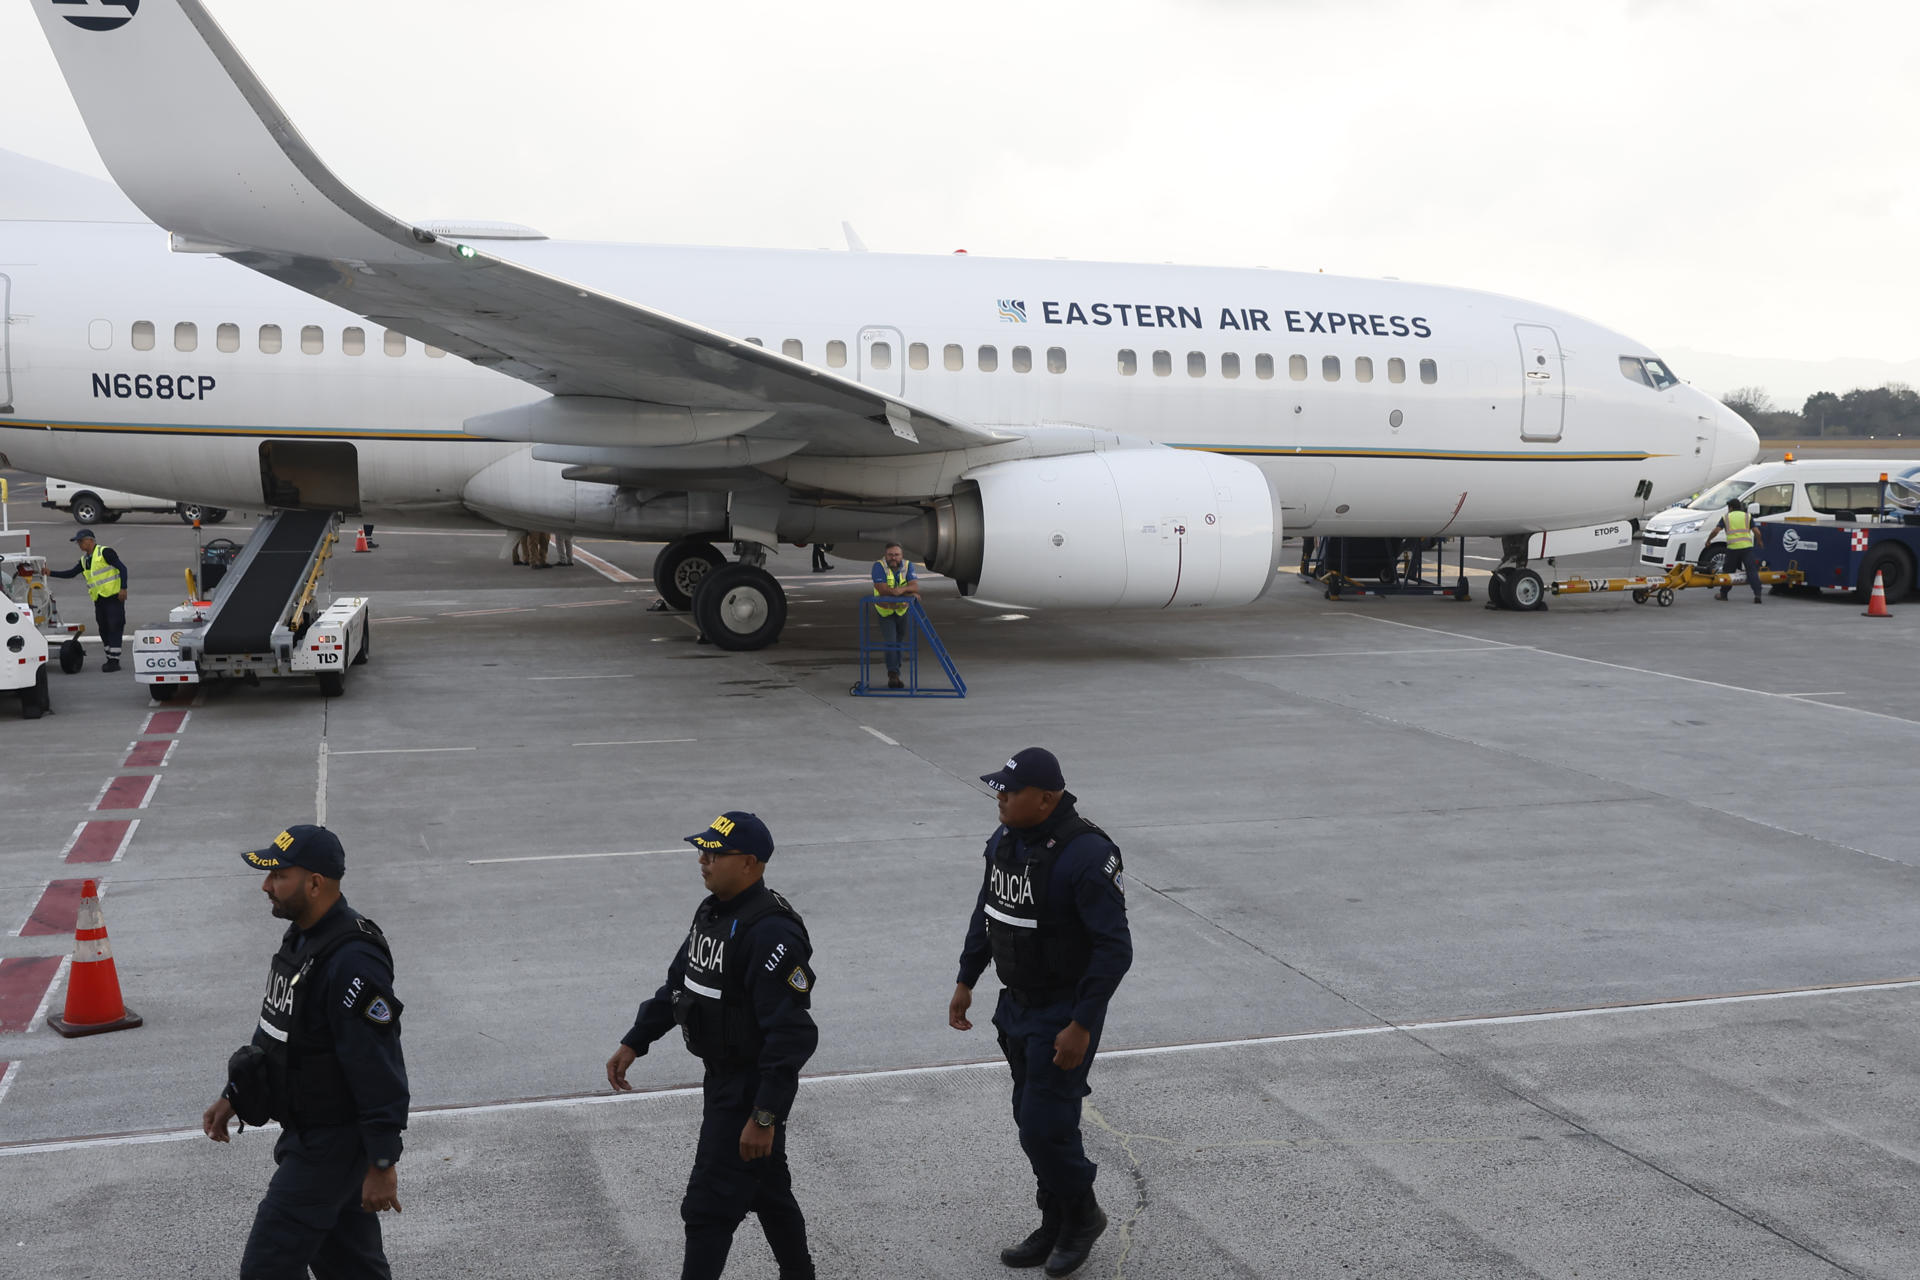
(90, 504)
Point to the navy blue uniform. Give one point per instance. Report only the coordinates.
(110, 614)
(311, 1215)
(723, 1188)
(1083, 895)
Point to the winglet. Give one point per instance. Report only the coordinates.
(193, 137)
(854, 243)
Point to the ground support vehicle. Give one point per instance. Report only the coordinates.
(1680, 577)
(1846, 556)
(1397, 567)
(103, 506)
(262, 621)
(23, 657)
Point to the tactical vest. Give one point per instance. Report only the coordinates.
(102, 579)
(1739, 530)
(1043, 958)
(306, 1086)
(711, 1004)
(893, 580)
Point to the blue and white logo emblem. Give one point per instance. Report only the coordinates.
(101, 15)
(380, 1011)
(1013, 311)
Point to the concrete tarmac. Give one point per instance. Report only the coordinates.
(1469, 943)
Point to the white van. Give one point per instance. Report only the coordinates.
(1824, 491)
(93, 505)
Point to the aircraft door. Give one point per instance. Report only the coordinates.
(6, 345)
(883, 359)
(1543, 383)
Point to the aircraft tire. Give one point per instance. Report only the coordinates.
(1497, 589)
(1526, 591)
(740, 607)
(679, 568)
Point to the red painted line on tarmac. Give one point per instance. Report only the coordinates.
(166, 722)
(101, 841)
(128, 791)
(149, 755)
(56, 913)
(24, 983)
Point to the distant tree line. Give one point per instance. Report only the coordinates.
(1877, 412)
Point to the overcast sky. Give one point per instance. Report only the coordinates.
(1730, 176)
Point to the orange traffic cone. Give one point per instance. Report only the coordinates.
(360, 540)
(93, 989)
(1877, 606)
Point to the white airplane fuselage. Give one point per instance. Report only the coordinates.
(1479, 415)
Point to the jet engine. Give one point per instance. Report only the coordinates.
(1129, 528)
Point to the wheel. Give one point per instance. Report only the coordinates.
(38, 700)
(740, 607)
(1497, 588)
(72, 656)
(366, 641)
(1713, 559)
(216, 514)
(112, 517)
(190, 512)
(332, 683)
(680, 566)
(164, 692)
(87, 508)
(1663, 597)
(1640, 596)
(1525, 590)
(1896, 574)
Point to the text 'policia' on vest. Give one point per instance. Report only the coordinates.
(711, 1005)
(1040, 964)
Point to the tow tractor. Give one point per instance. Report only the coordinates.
(260, 619)
(29, 621)
(1680, 577)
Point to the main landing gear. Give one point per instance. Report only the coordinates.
(737, 606)
(1513, 585)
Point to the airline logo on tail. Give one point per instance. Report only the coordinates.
(101, 15)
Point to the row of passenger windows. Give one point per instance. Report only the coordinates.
(226, 337)
(987, 360)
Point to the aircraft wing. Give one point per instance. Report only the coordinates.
(195, 140)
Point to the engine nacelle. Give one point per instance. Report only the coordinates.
(1130, 528)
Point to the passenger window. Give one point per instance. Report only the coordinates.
(1056, 359)
(1162, 364)
(1396, 370)
(1770, 501)
(143, 335)
(186, 336)
(1632, 371)
(312, 340)
(227, 337)
(1843, 499)
(1129, 364)
(1363, 368)
(394, 343)
(880, 355)
(836, 354)
(353, 341)
(793, 349)
(917, 355)
(1330, 368)
(989, 359)
(953, 357)
(755, 342)
(1429, 372)
(269, 339)
(1297, 368)
(100, 334)
(1263, 366)
(1662, 378)
(1022, 360)
(1229, 364)
(1196, 364)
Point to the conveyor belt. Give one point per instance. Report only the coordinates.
(256, 593)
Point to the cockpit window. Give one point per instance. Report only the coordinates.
(1662, 377)
(1630, 368)
(1720, 495)
(1647, 372)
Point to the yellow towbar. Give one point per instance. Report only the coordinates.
(1678, 578)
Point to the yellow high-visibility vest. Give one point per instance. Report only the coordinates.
(1739, 530)
(893, 580)
(102, 579)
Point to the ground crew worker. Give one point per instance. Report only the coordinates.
(739, 988)
(1052, 915)
(1740, 549)
(325, 1062)
(106, 578)
(893, 575)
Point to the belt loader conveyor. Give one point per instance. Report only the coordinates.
(262, 621)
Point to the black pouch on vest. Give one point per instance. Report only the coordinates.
(247, 1085)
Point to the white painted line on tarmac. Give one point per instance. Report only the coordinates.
(567, 1101)
(46, 1001)
(611, 572)
(1352, 653)
(38, 894)
(398, 751)
(618, 675)
(636, 742)
(320, 789)
(477, 613)
(7, 1078)
(876, 733)
(408, 618)
(590, 604)
(1824, 693)
(563, 857)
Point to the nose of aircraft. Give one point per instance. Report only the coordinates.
(1735, 443)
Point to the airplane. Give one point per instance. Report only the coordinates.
(1046, 433)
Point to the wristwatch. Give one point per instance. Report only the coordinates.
(765, 1119)
(383, 1164)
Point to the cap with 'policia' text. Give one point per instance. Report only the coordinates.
(315, 848)
(735, 832)
(1034, 767)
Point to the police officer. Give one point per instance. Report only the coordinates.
(325, 1062)
(106, 579)
(739, 988)
(1053, 918)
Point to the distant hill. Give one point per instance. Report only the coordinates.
(1788, 382)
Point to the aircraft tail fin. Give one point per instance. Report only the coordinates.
(35, 191)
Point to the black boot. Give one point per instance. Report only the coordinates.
(1085, 1221)
(1038, 1247)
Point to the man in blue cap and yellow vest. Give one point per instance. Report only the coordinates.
(106, 579)
(893, 576)
(1740, 549)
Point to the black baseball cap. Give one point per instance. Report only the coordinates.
(1034, 767)
(315, 848)
(84, 533)
(735, 831)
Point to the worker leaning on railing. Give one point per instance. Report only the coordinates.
(893, 575)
